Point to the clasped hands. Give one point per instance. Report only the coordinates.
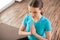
(33, 29)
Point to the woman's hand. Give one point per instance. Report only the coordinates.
(33, 30)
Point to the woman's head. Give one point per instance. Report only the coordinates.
(35, 7)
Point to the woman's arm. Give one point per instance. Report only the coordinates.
(22, 31)
(48, 36)
(40, 37)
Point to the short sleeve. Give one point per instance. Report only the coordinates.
(24, 22)
(48, 25)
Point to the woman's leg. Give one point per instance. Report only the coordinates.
(26, 38)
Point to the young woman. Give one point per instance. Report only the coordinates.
(37, 26)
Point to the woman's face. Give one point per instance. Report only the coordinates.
(34, 11)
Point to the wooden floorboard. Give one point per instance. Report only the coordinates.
(14, 14)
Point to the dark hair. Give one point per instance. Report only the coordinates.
(36, 3)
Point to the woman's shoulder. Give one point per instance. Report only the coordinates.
(28, 16)
(46, 19)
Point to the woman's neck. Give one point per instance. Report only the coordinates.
(37, 18)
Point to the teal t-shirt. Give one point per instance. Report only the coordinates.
(42, 26)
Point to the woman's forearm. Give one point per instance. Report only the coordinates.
(40, 37)
(23, 33)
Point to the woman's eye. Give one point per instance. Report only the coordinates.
(34, 12)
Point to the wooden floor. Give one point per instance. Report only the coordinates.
(14, 15)
(52, 11)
